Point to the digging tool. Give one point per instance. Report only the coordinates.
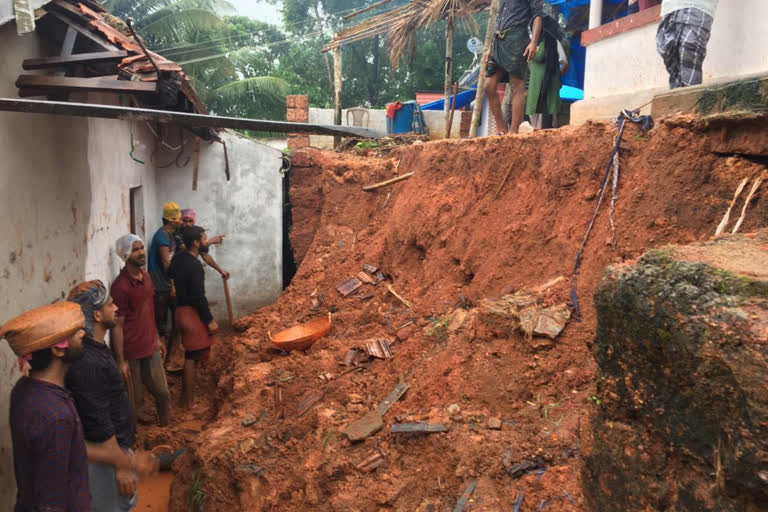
(229, 301)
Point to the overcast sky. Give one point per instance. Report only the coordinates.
(259, 10)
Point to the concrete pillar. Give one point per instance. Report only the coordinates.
(297, 111)
(595, 13)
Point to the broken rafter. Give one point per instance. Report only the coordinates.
(71, 60)
(70, 84)
(182, 118)
(83, 31)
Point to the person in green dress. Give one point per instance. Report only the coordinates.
(545, 71)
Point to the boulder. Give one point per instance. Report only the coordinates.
(679, 420)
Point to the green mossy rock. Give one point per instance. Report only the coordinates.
(682, 351)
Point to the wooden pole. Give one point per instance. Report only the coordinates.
(481, 79)
(448, 85)
(388, 182)
(337, 92)
(453, 109)
(229, 301)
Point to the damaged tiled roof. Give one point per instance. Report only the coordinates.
(99, 30)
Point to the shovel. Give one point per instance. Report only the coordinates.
(229, 301)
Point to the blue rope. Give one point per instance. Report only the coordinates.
(646, 123)
(518, 501)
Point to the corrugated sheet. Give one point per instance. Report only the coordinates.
(6, 9)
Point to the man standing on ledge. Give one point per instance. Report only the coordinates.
(161, 251)
(682, 39)
(511, 52)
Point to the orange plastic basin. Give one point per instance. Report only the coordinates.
(302, 336)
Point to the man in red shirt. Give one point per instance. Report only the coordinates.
(135, 340)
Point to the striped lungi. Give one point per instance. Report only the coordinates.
(105, 494)
(681, 40)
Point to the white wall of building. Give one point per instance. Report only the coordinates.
(434, 120)
(627, 70)
(65, 187)
(247, 209)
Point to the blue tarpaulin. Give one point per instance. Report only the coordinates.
(567, 93)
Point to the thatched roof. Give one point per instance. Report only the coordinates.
(400, 24)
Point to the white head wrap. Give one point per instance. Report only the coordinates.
(124, 245)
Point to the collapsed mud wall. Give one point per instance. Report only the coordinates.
(681, 415)
(450, 236)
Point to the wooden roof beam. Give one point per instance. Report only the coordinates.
(72, 60)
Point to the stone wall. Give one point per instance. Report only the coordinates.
(680, 418)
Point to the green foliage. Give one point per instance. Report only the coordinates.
(368, 144)
(197, 495)
(438, 331)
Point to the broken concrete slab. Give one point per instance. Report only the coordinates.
(392, 397)
(418, 428)
(364, 427)
(349, 286)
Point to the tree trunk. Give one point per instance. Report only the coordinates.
(337, 92)
(481, 79)
(449, 24)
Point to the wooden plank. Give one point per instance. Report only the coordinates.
(337, 84)
(65, 83)
(83, 31)
(67, 47)
(66, 108)
(71, 60)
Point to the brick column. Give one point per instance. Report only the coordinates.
(466, 121)
(297, 111)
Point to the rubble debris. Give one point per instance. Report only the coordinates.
(366, 296)
(278, 394)
(349, 286)
(249, 420)
(378, 348)
(367, 278)
(327, 376)
(380, 276)
(418, 428)
(246, 445)
(454, 409)
(465, 496)
(354, 357)
(251, 468)
(309, 401)
(494, 423)
(364, 427)
(519, 468)
(391, 290)
(370, 268)
(525, 312)
(371, 462)
(392, 397)
(193, 426)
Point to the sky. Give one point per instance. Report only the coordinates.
(259, 10)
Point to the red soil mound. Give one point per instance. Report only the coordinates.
(445, 241)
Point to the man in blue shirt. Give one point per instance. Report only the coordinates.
(161, 251)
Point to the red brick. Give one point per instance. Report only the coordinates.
(290, 101)
(302, 115)
(291, 114)
(296, 141)
(301, 101)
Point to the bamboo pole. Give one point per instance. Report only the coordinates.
(481, 78)
(337, 92)
(448, 85)
(388, 182)
(453, 109)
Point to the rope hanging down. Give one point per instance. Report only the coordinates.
(611, 171)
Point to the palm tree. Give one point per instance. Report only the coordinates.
(166, 22)
(226, 78)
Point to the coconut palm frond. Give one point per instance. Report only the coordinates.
(262, 88)
(169, 25)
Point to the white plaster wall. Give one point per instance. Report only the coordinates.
(247, 209)
(434, 119)
(628, 62)
(63, 197)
